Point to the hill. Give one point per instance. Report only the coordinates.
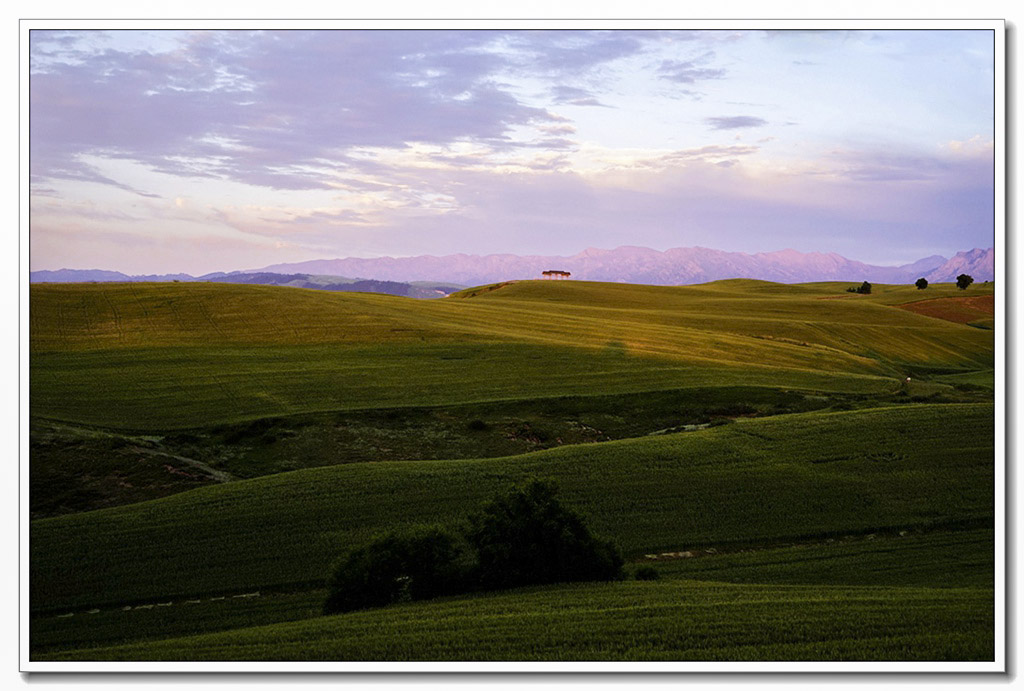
(163, 356)
(780, 478)
(757, 444)
(876, 508)
(418, 289)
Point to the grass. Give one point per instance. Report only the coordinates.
(660, 620)
(920, 559)
(182, 618)
(755, 480)
(937, 559)
(854, 523)
(78, 468)
(165, 356)
(182, 388)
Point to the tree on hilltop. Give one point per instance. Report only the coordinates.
(921, 283)
(963, 280)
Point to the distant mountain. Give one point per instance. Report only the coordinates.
(430, 276)
(677, 266)
(424, 289)
(99, 276)
(979, 264)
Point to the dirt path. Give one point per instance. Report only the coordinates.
(218, 475)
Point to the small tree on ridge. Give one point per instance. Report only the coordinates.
(921, 283)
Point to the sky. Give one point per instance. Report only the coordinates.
(178, 151)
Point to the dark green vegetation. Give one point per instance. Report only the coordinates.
(417, 563)
(801, 499)
(631, 620)
(79, 468)
(523, 536)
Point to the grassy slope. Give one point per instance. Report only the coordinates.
(664, 620)
(161, 356)
(959, 559)
(755, 480)
(152, 358)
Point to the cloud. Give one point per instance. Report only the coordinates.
(690, 71)
(713, 153)
(572, 52)
(573, 96)
(270, 108)
(734, 122)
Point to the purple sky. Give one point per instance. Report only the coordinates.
(167, 151)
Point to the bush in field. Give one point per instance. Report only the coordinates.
(921, 283)
(521, 537)
(416, 564)
(525, 537)
(963, 280)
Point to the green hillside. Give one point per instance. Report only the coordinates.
(164, 356)
(770, 479)
(757, 444)
(670, 620)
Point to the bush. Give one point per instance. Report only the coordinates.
(525, 537)
(921, 283)
(963, 280)
(416, 564)
(477, 425)
(522, 537)
(646, 573)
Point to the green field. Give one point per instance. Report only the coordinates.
(159, 356)
(669, 620)
(244, 436)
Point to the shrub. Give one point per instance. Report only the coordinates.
(477, 425)
(963, 280)
(522, 537)
(921, 283)
(525, 537)
(416, 564)
(647, 573)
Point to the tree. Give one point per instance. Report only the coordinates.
(416, 564)
(963, 280)
(921, 283)
(865, 288)
(525, 537)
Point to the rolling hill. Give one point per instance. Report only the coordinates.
(758, 444)
(147, 356)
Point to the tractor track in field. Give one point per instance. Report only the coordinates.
(118, 324)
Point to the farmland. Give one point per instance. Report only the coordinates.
(828, 507)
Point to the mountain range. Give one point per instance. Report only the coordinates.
(417, 289)
(431, 276)
(679, 266)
